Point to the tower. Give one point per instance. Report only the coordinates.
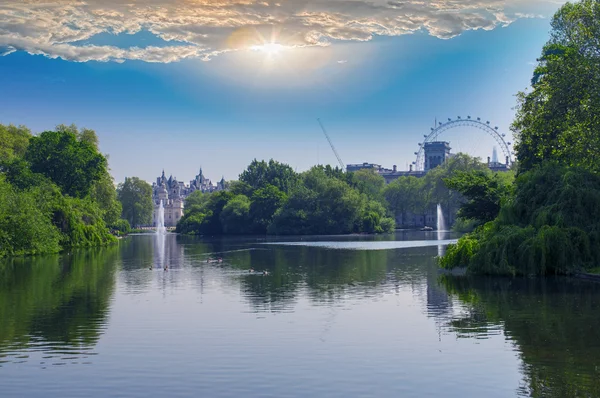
(436, 153)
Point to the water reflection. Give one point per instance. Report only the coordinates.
(553, 322)
(55, 306)
(324, 304)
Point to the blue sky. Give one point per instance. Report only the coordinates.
(174, 96)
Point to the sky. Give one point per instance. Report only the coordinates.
(183, 84)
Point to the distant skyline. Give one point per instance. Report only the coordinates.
(179, 85)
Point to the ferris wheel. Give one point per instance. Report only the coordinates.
(460, 122)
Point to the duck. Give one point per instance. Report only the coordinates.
(251, 270)
(220, 260)
(265, 272)
(166, 267)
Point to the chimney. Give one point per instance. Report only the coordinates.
(507, 160)
(410, 168)
(395, 168)
(488, 160)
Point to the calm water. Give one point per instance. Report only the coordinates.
(335, 317)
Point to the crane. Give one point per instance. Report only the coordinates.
(332, 147)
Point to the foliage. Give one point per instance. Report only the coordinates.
(551, 226)
(260, 174)
(404, 195)
(326, 205)
(25, 227)
(235, 217)
(264, 203)
(320, 201)
(103, 192)
(135, 196)
(71, 164)
(80, 222)
(120, 227)
(414, 195)
(55, 192)
(558, 119)
(368, 182)
(13, 141)
(204, 217)
(484, 191)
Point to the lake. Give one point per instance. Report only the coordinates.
(345, 316)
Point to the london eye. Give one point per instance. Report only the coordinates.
(460, 122)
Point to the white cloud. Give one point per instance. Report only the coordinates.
(209, 27)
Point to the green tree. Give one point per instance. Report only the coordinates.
(484, 192)
(135, 196)
(13, 141)
(370, 183)
(104, 193)
(403, 195)
(260, 174)
(71, 164)
(85, 135)
(558, 119)
(264, 203)
(196, 199)
(25, 223)
(235, 217)
(203, 213)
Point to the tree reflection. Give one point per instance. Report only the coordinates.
(554, 322)
(58, 302)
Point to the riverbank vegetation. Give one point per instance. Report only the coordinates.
(55, 191)
(271, 198)
(548, 223)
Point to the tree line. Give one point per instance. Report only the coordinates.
(547, 222)
(271, 198)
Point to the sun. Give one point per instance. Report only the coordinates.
(270, 49)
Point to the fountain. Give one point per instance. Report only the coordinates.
(161, 232)
(441, 224)
(160, 220)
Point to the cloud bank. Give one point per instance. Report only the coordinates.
(205, 28)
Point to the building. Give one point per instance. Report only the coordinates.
(172, 193)
(436, 153)
(495, 165)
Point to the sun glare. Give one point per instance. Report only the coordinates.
(269, 48)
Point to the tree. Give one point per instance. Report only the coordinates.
(13, 141)
(83, 135)
(235, 217)
(104, 194)
(135, 196)
(484, 192)
(403, 195)
(71, 164)
(558, 119)
(369, 182)
(203, 213)
(264, 203)
(260, 174)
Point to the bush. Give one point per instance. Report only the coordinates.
(120, 227)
